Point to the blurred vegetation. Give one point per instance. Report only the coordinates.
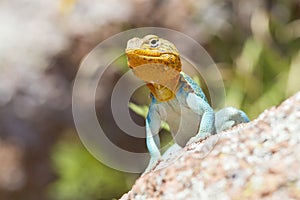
(255, 44)
(84, 177)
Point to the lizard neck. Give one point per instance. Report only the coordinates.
(163, 93)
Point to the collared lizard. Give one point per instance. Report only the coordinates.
(175, 97)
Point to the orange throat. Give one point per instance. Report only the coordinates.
(163, 93)
(161, 80)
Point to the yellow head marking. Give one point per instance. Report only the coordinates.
(156, 61)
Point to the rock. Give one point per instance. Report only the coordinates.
(257, 160)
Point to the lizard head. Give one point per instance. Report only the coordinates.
(157, 62)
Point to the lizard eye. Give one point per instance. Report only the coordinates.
(154, 42)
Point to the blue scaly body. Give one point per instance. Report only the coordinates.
(176, 98)
(189, 115)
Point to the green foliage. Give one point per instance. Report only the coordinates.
(81, 176)
(140, 110)
(261, 77)
(143, 110)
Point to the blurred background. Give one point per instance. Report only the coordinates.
(256, 45)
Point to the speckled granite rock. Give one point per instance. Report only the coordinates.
(258, 160)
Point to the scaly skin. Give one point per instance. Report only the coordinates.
(176, 98)
(163, 74)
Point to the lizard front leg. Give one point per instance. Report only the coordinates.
(201, 107)
(153, 122)
(229, 117)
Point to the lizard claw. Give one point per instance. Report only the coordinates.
(152, 164)
(199, 137)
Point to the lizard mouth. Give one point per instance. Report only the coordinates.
(142, 52)
(138, 57)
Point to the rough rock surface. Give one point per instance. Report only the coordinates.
(258, 160)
